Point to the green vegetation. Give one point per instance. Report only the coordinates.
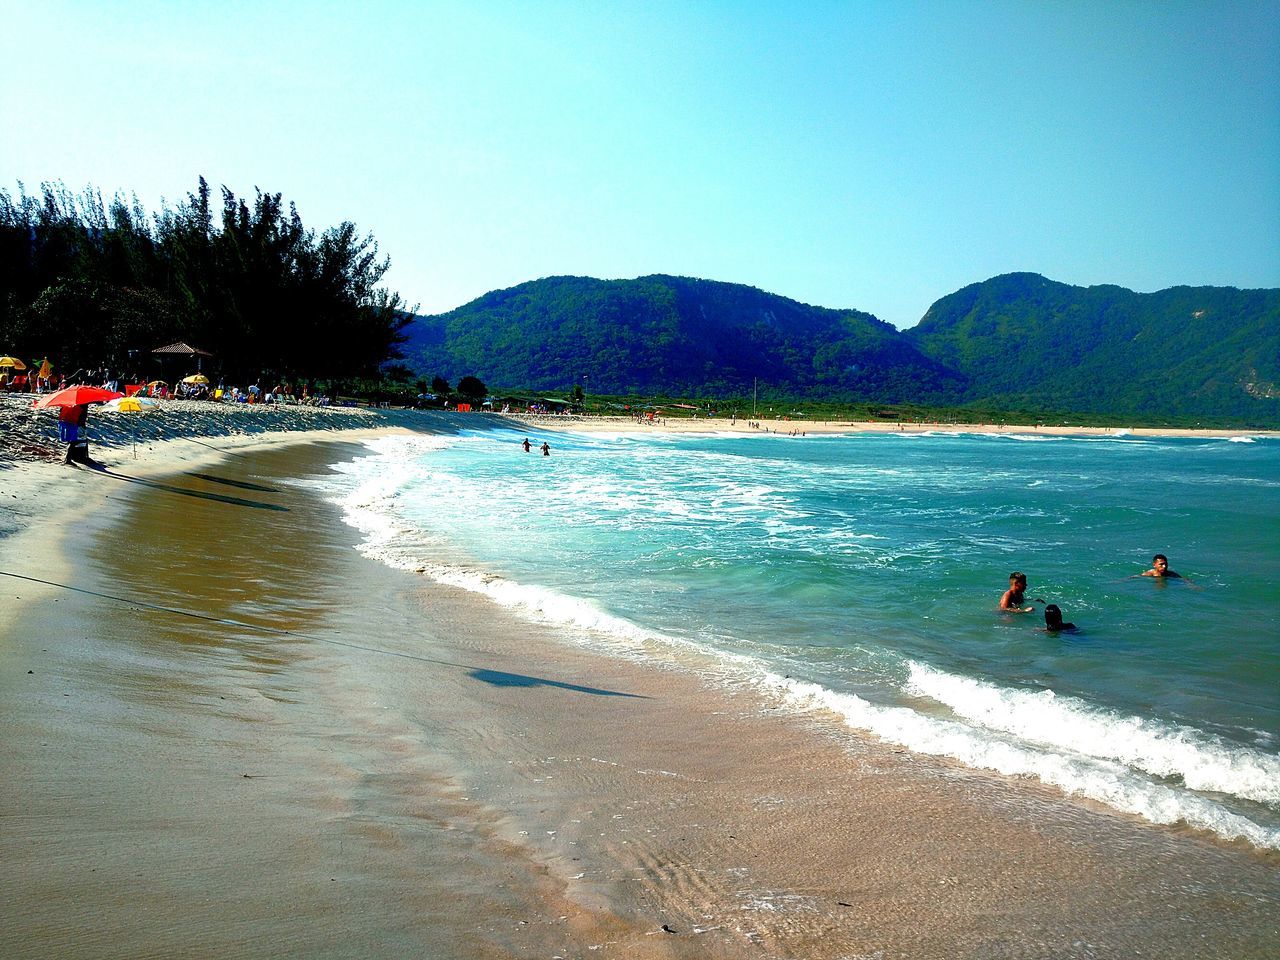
(95, 284)
(1017, 348)
(674, 335)
(1022, 341)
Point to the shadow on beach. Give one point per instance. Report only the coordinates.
(500, 679)
(240, 484)
(200, 494)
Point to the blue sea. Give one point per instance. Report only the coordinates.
(856, 578)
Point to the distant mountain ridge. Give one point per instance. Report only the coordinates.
(1022, 340)
(672, 335)
(1017, 341)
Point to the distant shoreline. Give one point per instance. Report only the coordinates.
(785, 427)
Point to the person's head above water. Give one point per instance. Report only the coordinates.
(1053, 619)
(1160, 568)
(1013, 599)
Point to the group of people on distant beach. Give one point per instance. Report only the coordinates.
(17, 377)
(1014, 599)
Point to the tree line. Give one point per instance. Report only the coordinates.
(92, 283)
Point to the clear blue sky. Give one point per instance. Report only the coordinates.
(876, 155)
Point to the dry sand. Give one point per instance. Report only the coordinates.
(744, 426)
(412, 772)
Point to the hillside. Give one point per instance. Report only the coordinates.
(1022, 341)
(671, 335)
(1018, 341)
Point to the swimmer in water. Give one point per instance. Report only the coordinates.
(1160, 568)
(1161, 572)
(1014, 598)
(526, 445)
(1053, 620)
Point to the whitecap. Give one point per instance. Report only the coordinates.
(1097, 778)
(1202, 761)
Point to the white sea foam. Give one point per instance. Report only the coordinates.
(1203, 762)
(1241, 440)
(369, 506)
(1124, 762)
(1097, 778)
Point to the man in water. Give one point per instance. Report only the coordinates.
(1013, 598)
(1160, 568)
(1053, 621)
(1161, 572)
(546, 450)
(527, 445)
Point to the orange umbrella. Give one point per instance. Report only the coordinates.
(76, 397)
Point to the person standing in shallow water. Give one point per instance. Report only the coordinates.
(527, 445)
(1014, 597)
(546, 450)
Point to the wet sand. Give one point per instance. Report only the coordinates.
(410, 771)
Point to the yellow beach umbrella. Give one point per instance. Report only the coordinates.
(12, 362)
(131, 405)
(128, 405)
(196, 378)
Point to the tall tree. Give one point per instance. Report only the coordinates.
(249, 281)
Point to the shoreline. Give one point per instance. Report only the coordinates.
(27, 435)
(595, 799)
(740, 425)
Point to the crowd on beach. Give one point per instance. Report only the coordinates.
(70, 394)
(17, 377)
(39, 378)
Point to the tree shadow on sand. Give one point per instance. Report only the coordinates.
(240, 484)
(500, 679)
(186, 492)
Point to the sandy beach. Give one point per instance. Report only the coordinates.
(603, 424)
(229, 734)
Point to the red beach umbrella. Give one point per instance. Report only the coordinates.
(76, 397)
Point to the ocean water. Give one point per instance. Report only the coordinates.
(856, 578)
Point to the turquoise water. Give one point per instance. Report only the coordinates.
(860, 575)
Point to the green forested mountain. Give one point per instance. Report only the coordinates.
(1017, 341)
(671, 335)
(1022, 341)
